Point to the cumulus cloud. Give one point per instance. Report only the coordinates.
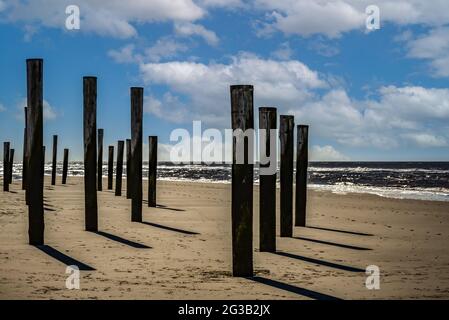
(123, 55)
(49, 112)
(112, 18)
(426, 139)
(326, 153)
(189, 29)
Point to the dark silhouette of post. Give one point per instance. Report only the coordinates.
(55, 153)
(136, 153)
(5, 166)
(119, 168)
(128, 167)
(267, 193)
(152, 170)
(100, 160)
(287, 127)
(43, 164)
(24, 159)
(35, 179)
(11, 165)
(65, 166)
(302, 159)
(110, 167)
(90, 153)
(242, 116)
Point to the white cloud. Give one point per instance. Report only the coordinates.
(426, 139)
(207, 85)
(112, 18)
(49, 112)
(332, 18)
(189, 29)
(123, 55)
(284, 52)
(326, 153)
(164, 48)
(2, 108)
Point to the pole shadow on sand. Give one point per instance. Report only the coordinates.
(346, 246)
(341, 231)
(319, 262)
(122, 240)
(152, 224)
(65, 259)
(161, 206)
(290, 288)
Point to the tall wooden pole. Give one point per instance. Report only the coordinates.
(35, 179)
(301, 174)
(100, 160)
(54, 163)
(90, 153)
(287, 127)
(5, 166)
(128, 168)
(65, 166)
(11, 165)
(24, 159)
(119, 169)
(110, 167)
(152, 170)
(136, 153)
(43, 164)
(267, 195)
(242, 115)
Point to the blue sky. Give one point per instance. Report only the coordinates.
(367, 95)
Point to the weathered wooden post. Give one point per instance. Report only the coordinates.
(43, 164)
(54, 163)
(65, 166)
(90, 153)
(267, 193)
(5, 166)
(11, 165)
(242, 115)
(136, 153)
(119, 168)
(100, 160)
(152, 170)
(287, 127)
(128, 167)
(35, 180)
(24, 159)
(301, 174)
(110, 167)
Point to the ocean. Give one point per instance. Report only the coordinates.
(403, 180)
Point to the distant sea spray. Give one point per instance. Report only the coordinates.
(405, 180)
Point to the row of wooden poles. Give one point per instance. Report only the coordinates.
(242, 117)
(34, 156)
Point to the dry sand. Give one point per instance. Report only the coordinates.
(408, 241)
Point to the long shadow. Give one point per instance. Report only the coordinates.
(342, 231)
(65, 259)
(288, 287)
(168, 228)
(122, 240)
(49, 209)
(160, 206)
(319, 262)
(346, 246)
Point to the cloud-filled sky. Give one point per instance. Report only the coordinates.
(366, 94)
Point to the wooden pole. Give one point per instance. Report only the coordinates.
(110, 167)
(152, 170)
(267, 194)
(128, 167)
(90, 153)
(54, 163)
(242, 114)
(11, 165)
(24, 159)
(136, 153)
(35, 180)
(65, 166)
(287, 127)
(5, 166)
(43, 164)
(119, 169)
(100, 160)
(301, 174)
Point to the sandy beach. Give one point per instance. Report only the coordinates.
(183, 250)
